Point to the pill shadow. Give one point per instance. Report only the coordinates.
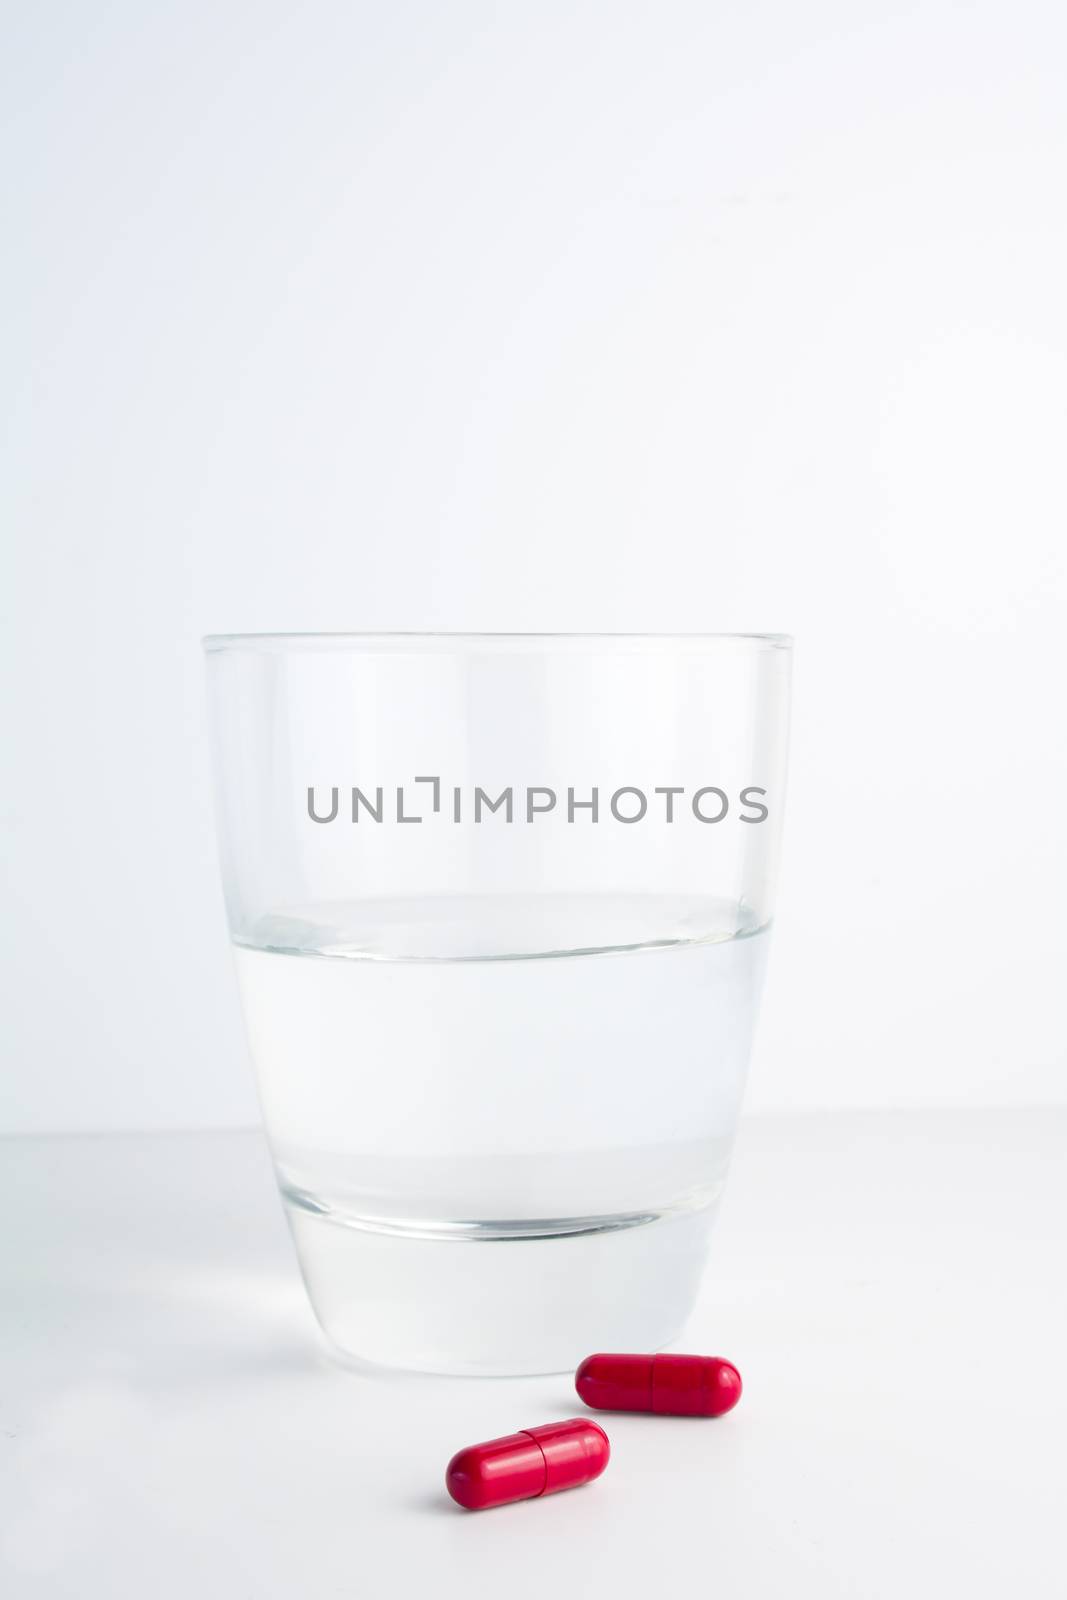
(557, 1403)
(442, 1505)
(439, 1504)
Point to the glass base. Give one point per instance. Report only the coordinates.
(486, 1303)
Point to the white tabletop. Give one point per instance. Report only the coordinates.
(891, 1286)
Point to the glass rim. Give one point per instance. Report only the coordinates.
(415, 640)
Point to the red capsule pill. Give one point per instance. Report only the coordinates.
(672, 1386)
(522, 1466)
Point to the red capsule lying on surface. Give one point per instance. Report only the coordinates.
(522, 1466)
(671, 1386)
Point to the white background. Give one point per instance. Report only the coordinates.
(592, 316)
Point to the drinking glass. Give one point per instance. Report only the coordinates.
(500, 907)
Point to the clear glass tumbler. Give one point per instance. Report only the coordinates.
(500, 906)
